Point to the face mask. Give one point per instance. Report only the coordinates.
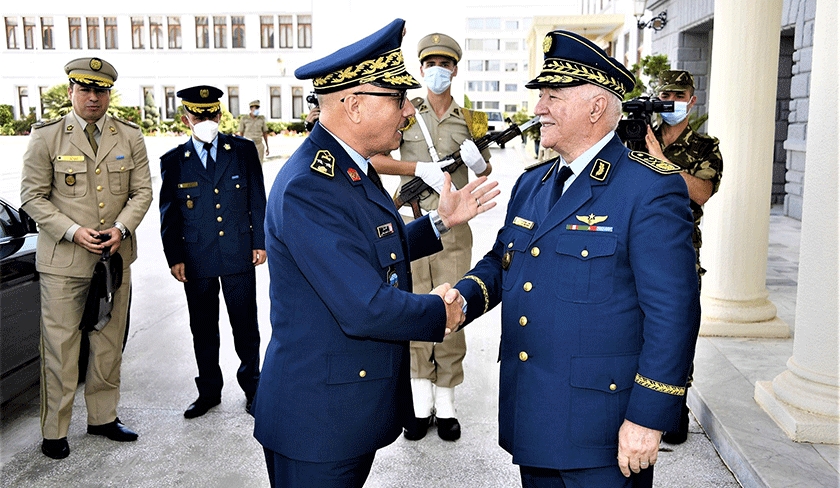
(437, 79)
(256, 112)
(678, 115)
(206, 130)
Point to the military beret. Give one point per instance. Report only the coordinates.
(91, 72)
(572, 60)
(201, 100)
(255, 103)
(438, 45)
(376, 59)
(676, 80)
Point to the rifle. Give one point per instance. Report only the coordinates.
(410, 192)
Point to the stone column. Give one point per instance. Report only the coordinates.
(805, 399)
(742, 95)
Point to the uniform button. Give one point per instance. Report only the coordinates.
(101, 204)
(527, 286)
(237, 185)
(510, 245)
(613, 387)
(69, 171)
(99, 188)
(219, 218)
(523, 356)
(362, 373)
(523, 321)
(584, 253)
(218, 205)
(102, 221)
(221, 233)
(122, 168)
(98, 170)
(535, 251)
(216, 190)
(393, 256)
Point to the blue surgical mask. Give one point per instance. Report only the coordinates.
(256, 112)
(437, 79)
(678, 115)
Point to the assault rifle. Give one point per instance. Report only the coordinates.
(410, 192)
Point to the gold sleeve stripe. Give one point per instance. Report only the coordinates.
(483, 290)
(660, 387)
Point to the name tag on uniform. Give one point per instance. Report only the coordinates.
(385, 230)
(191, 184)
(523, 223)
(70, 158)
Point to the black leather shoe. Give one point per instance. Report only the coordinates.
(55, 448)
(200, 407)
(681, 434)
(249, 402)
(115, 431)
(449, 429)
(418, 428)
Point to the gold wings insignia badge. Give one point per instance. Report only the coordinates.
(591, 219)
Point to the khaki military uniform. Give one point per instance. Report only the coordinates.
(253, 128)
(65, 184)
(699, 155)
(440, 362)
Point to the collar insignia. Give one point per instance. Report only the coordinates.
(354, 175)
(227, 147)
(186, 154)
(591, 219)
(69, 127)
(600, 170)
(385, 230)
(523, 223)
(112, 129)
(324, 163)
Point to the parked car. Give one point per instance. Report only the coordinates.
(20, 303)
(496, 123)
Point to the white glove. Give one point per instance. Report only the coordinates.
(472, 157)
(432, 174)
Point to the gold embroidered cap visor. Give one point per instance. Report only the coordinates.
(572, 60)
(91, 73)
(201, 100)
(376, 59)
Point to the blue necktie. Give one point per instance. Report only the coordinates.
(560, 178)
(211, 163)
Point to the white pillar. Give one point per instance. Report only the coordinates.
(736, 225)
(805, 399)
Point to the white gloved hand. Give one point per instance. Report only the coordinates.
(432, 173)
(472, 157)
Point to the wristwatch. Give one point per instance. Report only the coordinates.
(122, 229)
(438, 222)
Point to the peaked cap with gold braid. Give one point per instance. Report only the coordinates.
(377, 59)
(572, 60)
(201, 100)
(91, 73)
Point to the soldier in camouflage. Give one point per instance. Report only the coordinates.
(699, 157)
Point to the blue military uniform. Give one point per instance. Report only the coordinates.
(600, 311)
(211, 220)
(335, 381)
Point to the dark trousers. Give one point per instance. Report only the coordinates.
(240, 292)
(289, 473)
(607, 477)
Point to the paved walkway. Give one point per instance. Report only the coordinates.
(218, 449)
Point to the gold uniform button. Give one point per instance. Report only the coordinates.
(99, 188)
(523, 356)
(613, 387)
(362, 373)
(393, 256)
(101, 204)
(535, 251)
(584, 253)
(69, 171)
(216, 190)
(221, 233)
(218, 205)
(237, 185)
(527, 286)
(219, 218)
(523, 321)
(98, 170)
(510, 245)
(122, 168)
(102, 221)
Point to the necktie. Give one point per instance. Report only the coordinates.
(374, 177)
(90, 131)
(211, 163)
(563, 174)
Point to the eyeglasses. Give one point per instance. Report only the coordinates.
(400, 95)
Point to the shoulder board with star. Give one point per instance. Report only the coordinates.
(538, 164)
(654, 163)
(45, 123)
(418, 103)
(127, 122)
(324, 163)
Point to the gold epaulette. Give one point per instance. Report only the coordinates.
(476, 122)
(654, 163)
(44, 123)
(127, 122)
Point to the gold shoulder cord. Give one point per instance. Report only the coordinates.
(483, 290)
